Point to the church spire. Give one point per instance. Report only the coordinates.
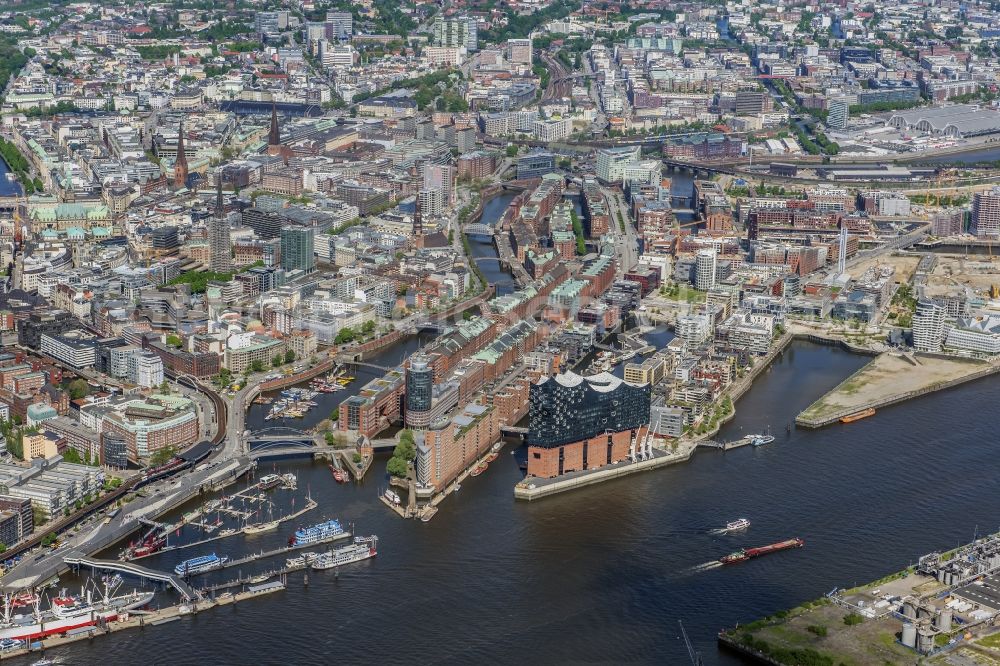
(180, 163)
(274, 136)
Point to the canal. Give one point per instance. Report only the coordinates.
(484, 252)
(604, 574)
(327, 403)
(8, 187)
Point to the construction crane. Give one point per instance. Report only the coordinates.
(693, 654)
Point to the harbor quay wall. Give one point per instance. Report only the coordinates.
(734, 391)
(138, 620)
(377, 345)
(745, 651)
(835, 342)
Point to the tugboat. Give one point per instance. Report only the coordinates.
(480, 468)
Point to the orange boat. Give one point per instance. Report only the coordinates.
(857, 416)
(480, 468)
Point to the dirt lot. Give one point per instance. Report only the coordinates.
(904, 265)
(886, 376)
(977, 272)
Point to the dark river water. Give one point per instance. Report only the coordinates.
(603, 574)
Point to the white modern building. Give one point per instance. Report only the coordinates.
(928, 327)
(979, 335)
(704, 269)
(145, 369)
(611, 162)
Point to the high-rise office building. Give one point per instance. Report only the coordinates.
(577, 423)
(442, 177)
(928, 326)
(419, 386)
(839, 112)
(270, 24)
(704, 269)
(986, 214)
(431, 202)
(297, 249)
(457, 31)
(220, 246)
(339, 25)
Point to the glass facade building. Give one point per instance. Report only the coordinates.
(571, 408)
(419, 385)
(297, 249)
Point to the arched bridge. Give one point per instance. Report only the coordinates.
(271, 439)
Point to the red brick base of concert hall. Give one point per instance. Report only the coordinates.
(593, 453)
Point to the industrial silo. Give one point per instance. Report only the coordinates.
(925, 640)
(944, 620)
(909, 638)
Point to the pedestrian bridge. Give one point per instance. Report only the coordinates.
(76, 559)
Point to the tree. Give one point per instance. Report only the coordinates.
(162, 456)
(406, 448)
(164, 387)
(368, 327)
(37, 516)
(397, 467)
(344, 335)
(289, 356)
(276, 361)
(511, 150)
(224, 377)
(78, 388)
(328, 436)
(71, 455)
(257, 366)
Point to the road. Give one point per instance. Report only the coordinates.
(627, 244)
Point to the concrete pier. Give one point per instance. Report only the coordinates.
(141, 619)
